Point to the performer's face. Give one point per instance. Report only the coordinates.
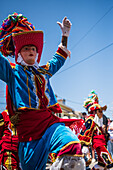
(28, 54)
(99, 113)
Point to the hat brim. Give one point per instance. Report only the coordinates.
(96, 107)
(28, 38)
(104, 108)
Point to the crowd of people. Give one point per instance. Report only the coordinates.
(29, 128)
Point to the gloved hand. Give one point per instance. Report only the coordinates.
(65, 26)
(85, 150)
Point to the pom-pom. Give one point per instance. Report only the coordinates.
(93, 96)
(92, 99)
(12, 24)
(92, 103)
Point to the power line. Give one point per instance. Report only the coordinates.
(70, 100)
(86, 58)
(91, 28)
(84, 37)
(74, 102)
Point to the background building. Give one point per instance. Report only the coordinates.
(67, 112)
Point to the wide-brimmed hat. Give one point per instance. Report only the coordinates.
(28, 38)
(97, 106)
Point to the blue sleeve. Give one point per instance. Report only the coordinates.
(56, 63)
(6, 72)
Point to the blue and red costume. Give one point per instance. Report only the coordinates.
(30, 98)
(32, 95)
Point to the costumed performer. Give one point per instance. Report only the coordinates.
(40, 132)
(93, 134)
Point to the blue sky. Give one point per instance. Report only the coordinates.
(90, 42)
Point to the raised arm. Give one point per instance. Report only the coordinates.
(62, 53)
(65, 28)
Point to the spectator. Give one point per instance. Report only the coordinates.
(84, 116)
(110, 142)
(105, 128)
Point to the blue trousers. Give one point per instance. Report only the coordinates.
(33, 155)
